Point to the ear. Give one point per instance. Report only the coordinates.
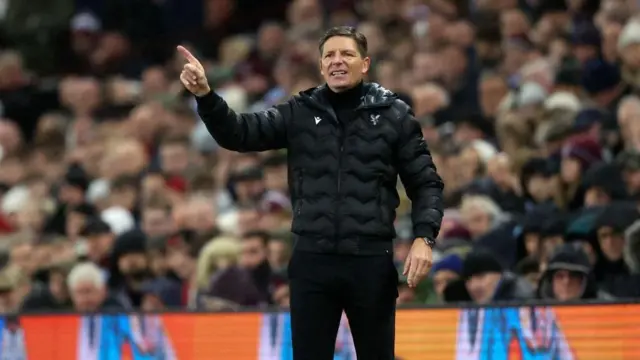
(366, 64)
(320, 66)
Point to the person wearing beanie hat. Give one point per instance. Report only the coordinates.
(76, 183)
(129, 267)
(602, 184)
(585, 150)
(99, 239)
(484, 280)
(445, 271)
(599, 77)
(587, 41)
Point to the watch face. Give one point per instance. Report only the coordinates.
(429, 242)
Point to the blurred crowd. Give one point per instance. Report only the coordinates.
(113, 196)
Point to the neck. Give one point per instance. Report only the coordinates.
(346, 97)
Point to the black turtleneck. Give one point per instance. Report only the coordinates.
(344, 103)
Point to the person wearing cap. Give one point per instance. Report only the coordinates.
(569, 277)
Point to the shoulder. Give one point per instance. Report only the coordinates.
(377, 94)
(401, 110)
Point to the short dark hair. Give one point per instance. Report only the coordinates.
(346, 31)
(264, 236)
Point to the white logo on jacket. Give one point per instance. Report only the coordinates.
(375, 119)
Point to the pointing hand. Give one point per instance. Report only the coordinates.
(192, 76)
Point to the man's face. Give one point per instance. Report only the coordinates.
(201, 216)
(426, 66)
(57, 286)
(596, 196)
(132, 263)
(178, 261)
(125, 197)
(270, 40)
(441, 279)
(631, 56)
(482, 287)
(249, 190)
(75, 222)
(570, 170)
(157, 222)
(277, 254)
(477, 221)
(253, 253)
(71, 195)
(87, 297)
(584, 53)
(174, 159)
(540, 188)
(342, 65)
(567, 285)
(492, 91)
(632, 179)
(611, 243)
(99, 246)
(532, 243)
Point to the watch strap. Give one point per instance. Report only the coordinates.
(430, 242)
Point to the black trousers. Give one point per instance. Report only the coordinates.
(322, 286)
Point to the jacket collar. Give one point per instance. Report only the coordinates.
(375, 96)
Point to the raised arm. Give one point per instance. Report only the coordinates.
(265, 130)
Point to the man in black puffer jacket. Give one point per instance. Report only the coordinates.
(347, 143)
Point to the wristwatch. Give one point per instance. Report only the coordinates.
(430, 242)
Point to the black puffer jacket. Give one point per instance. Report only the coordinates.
(342, 175)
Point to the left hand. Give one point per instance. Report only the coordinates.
(418, 262)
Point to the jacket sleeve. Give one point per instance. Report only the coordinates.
(421, 181)
(260, 131)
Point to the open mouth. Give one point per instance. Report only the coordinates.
(338, 73)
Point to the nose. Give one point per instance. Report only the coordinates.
(337, 59)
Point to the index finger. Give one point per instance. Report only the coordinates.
(188, 55)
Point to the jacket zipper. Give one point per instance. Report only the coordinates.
(336, 220)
